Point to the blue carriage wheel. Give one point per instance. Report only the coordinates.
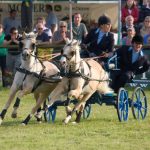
(122, 105)
(87, 111)
(139, 104)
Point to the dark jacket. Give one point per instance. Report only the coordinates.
(125, 61)
(106, 44)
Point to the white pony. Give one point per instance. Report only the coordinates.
(82, 79)
(32, 76)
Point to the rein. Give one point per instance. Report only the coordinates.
(96, 57)
(50, 55)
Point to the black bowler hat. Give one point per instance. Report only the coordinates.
(137, 39)
(104, 20)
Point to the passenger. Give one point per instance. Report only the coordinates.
(100, 40)
(132, 61)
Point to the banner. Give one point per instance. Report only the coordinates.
(89, 12)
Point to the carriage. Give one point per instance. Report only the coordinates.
(28, 79)
(121, 101)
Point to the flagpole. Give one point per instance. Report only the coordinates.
(70, 18)
(119, 23)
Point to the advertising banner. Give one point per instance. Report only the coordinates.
(89, 12)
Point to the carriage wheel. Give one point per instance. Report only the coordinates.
(50, 114)
(122, 105)
(139, 104)
(87, 111)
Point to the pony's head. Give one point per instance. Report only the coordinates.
(71, 52)
(28, 45)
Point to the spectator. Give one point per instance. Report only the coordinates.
(144, 10)
(79, 29)
(130, 9)
(100, 40)
(3, 53)
(147, 39)
(127, 40)
(129, 23)
(46, 30)
(13, 59)
(42, 37)
(51, 20)
(11, 21)
(132, 62)
(146, 26)
(62, 35)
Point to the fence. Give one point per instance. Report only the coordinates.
(142, 80)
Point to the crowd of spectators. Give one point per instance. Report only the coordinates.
(135, 20)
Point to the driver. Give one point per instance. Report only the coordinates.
(100, 40)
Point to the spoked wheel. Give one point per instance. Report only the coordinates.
(50, 114)
(122, 105)
(139, 104)
(87, 111)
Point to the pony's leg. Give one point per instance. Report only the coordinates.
(15, 108)
(41, 99)
(12, 94)
(38, 114)
(17, 103)
(77, 106)
(79, 114)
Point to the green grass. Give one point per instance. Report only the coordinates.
(101, 131)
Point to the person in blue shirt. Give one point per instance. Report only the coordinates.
(42, 37)
(132, 61)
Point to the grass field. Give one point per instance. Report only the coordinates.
(101, 131)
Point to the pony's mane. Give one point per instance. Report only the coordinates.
(73, 43)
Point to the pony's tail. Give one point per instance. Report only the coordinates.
(105, 89)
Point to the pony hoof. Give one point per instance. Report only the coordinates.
(14, 115)
(67, 119)
(23, 124)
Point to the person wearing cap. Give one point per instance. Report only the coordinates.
(11, 21)
(132, 61)
(100, 41)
